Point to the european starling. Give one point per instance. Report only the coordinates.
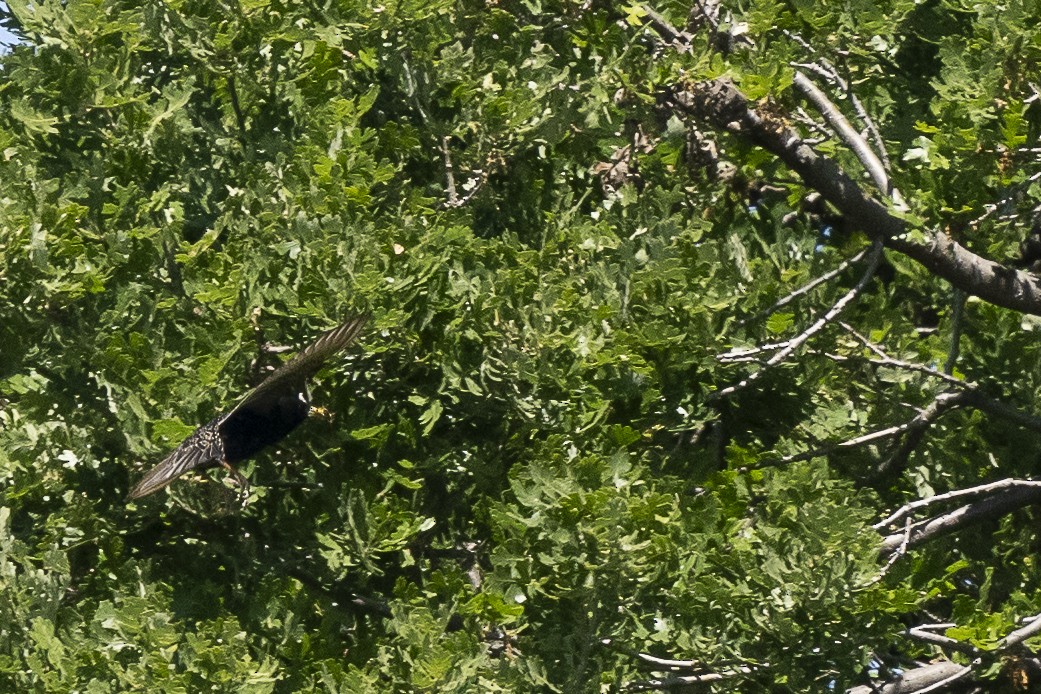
(265, 416)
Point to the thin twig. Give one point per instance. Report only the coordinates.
(801, 116)
(743, 353)
(684, 680)
(974, 393)
(932, 626)
(943, 403)
(879, 435)
(873, 262)
(894, 556)
(1004, 202)
(805, 289)
(900, 364)
(974, 397)
(697, 671)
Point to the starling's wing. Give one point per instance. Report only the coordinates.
(202, 449)
(205, 447)
(305, 364)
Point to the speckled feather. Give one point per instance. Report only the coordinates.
(205, 447)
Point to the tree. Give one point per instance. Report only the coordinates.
(702, 353)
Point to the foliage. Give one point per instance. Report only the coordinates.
(527, 458)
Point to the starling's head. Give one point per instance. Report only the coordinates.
(320, 412)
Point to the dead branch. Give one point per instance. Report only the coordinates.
(908, 508)
(453, 197)
(957, 316)
(873, 262)
(1017, 637)
(805, 289)
(990, 507)
(682, 680)
(916, 428)
(696, 671)
(938, 676)
(846, 133)
(941, 641)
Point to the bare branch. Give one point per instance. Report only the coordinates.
(918, 680)
(453, 198)
(974, 395)
(698, 672)
(1002, 409)
(909, 508)
(739, 354)
(958, 313)
(1015, 638)
(846, 132)
(894, 555)
(871, 437)
(683, 680)
(913, 428)
(1005, 202)
(932, 626)
(944, 642)
(993, 506)
(943, 403)
(905, 365)
(873, 262)
(240, 119)
(800, 116)
(805, 289)
(720, 103)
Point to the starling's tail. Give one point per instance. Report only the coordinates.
(154, 480)
(202, 449)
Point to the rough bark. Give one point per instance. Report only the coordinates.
(721, 104)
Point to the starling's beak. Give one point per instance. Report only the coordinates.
(320, 412)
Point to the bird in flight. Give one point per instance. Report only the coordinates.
(263, 417)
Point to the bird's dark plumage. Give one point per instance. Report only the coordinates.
(265, 416)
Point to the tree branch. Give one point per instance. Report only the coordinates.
(721, 104)
(916, 428)
(923, 679)
(697, 672)
(993, 506)
(851, 137)
(804, 289)
(874, 259)
(1000, 485)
